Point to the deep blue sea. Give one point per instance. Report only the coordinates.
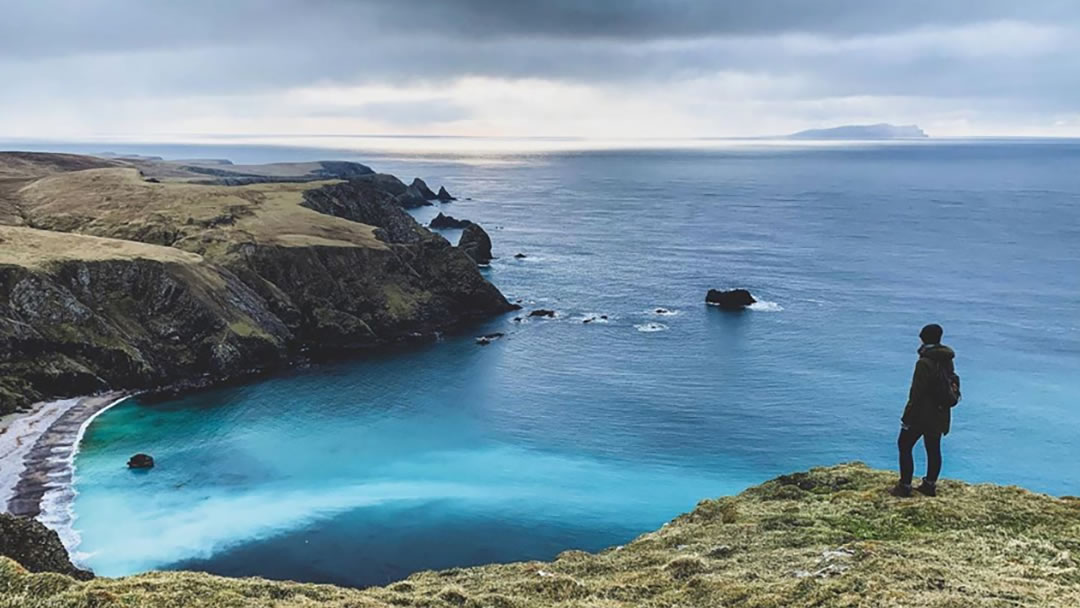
(573, 435)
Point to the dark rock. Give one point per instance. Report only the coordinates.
(443, 221)
(661, 311)
(489, 338)
(543, 312)
(476, 243)
(423, 189)
(443, 195)
(36, 548)
(735, 299)
(412, 197)
(153, 180)
(588, 320)
(520, 256)
(141, 461)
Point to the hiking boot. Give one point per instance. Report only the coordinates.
(927, 488)
(901, 491)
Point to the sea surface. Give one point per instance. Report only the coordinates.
(567, 434)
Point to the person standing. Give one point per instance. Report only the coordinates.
(935, 390)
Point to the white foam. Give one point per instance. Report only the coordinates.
(651, 327)
(58, 502)
(660, 311)
(596, 317)
(19, 438)
(765, 306)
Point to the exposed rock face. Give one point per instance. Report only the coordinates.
(443, 221)
(444, 196)
(423, 189)
(735, 299)
(81, 327)
(36, 548)
(476, 243)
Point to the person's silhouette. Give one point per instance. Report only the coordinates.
(935, 389)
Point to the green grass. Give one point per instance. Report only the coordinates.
(829, 537)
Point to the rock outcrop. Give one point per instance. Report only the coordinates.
(36, 548)
(735, 299)
(136, 285)
(476, 243)
(443, 221)
(444, 196)
(827, 537)
(423, 189)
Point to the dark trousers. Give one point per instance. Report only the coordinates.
(906, 442)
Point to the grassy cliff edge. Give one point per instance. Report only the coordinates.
(828, 537)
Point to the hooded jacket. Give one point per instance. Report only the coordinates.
(924, 411)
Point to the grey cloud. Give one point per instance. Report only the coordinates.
(52, 49)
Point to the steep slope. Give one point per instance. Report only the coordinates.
(112, 280)
(829, 537)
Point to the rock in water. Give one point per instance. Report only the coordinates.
(141, 461)
(412, 197)
(448, 221)
(520, 256)
(543, 312)
(443, 195)
(476, 243)
(36, 548)
(423, 189)
(489, 338)
(735, 299)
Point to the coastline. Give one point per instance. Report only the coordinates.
(37, 457)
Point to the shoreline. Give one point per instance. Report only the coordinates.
(37, 458)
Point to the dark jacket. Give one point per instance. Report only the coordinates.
(925, 411)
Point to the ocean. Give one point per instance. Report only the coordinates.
(573, 435)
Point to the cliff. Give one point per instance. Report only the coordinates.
(828, 537)
(110, 279)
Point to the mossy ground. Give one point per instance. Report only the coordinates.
(829, 537)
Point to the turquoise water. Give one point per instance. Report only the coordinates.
(572, 435)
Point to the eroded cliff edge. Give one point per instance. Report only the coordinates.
(129, 275)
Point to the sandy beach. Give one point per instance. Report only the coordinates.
(37, 449)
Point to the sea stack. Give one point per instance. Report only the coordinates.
(734, 299)
(443, 221)
(444, 196)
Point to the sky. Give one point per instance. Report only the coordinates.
(172, 70)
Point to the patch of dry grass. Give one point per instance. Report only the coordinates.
(33, 248)
(118, 203)
(829, 537)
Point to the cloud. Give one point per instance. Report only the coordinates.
(101, 66)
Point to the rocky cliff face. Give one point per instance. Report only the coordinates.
(36, 548)
(137, 284)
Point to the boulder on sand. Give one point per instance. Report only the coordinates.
(141, 461)
(476, 243)
(734, 299)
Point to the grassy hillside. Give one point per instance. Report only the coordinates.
(829, 537)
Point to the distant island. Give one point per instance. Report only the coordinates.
(865, 132)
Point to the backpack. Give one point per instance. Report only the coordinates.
(948, 385)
